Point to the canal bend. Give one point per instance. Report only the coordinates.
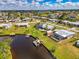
(22, 48)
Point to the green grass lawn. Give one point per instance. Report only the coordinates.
(67, 52)
(5, 49)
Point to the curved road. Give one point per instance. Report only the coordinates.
(23, 48)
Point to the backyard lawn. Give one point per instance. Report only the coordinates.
(67, 51)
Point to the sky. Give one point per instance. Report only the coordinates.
(38, 4)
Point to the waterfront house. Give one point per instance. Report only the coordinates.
(62, 34)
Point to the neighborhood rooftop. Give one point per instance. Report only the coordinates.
(64, 33)
(21, 23)
(75, 23)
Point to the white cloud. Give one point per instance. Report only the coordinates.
(21, 5)
(77, 4)
(46, 3)
(59, 0)
(39, 0)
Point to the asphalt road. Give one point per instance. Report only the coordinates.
(22, 48)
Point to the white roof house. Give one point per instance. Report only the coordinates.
(6, 25)
(71, 23)
(22, 24)
(65, 21)
(44, 25)
(54, 20)
(26, 19)
(62, 34)
(50, 27)
(75, 23)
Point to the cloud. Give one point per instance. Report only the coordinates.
(46, 3)
(35, 5)
(59, 0)
(39, 0)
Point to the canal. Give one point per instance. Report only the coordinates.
(22, 48)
